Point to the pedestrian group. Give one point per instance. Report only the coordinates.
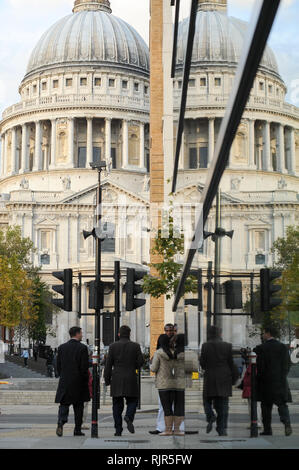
(173, 367)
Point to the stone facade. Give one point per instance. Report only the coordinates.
(93, 107)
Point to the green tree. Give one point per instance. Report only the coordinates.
(285, 315)
(167, 248)
(24, 298)
(286, 251)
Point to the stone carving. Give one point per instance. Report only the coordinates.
(282, 184)
(146, 184)
(66, 183)
(235, 184)
(24, 184)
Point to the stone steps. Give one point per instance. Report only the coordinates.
(11, 369)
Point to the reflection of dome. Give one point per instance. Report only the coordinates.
(91, 35)
(219, 39)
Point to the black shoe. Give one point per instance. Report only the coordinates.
(210, 424)
(155, 432)
(191, 432)
(59, 430)
(79, 433)
(266, 433)
(117, 433)
(288, 429)
(129, 424)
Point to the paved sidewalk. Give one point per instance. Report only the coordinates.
(33, 427)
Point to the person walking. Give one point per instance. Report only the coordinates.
(220, 374)
(273, 365)
(163, 364)
(169, 330)
(86, 404)
(25, 355)
(49, 362)
(72, 367)
(124, 358)
(35, 352)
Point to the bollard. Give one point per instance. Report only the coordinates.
(253, 402)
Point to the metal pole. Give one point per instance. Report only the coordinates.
(209, 300)
(199, 307)
(139, 389)
(80, 296)
(117, 297)
(96, 392)
(253, 402)
(217, 258)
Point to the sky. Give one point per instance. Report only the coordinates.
(22, 23)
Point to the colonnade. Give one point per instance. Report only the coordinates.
(285, 146)
(51, 159)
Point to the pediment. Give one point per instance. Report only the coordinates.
(46, 222)
(111, 193)
(193, 194)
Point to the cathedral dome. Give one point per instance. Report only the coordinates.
(91, 36)
(219, 39)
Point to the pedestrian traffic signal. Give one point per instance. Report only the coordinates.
(268, 300)
(233, 295)
(196, 302)
(96, 295)
(65, 289)
(133, 289)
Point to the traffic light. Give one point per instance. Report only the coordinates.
(96, 295)
(196, 302)
(233, 294)
(65, 289)
(268, 301)
(133, 289)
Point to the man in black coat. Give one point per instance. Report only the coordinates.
(219, 374)
(273, 365)
(124, 358)
(72, 368)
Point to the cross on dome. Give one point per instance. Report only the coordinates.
(92, 5)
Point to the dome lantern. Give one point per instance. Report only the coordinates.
(92, 5)
(212, 5)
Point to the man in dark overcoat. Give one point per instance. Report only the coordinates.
(124, 358)
(216, 359)
(273, 365)
(72, 368)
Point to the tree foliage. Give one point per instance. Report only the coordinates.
(167, 248)
(24, 298)
(286, 252)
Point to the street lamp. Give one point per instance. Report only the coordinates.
(96, 233)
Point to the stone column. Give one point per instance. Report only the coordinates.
(211, 139)
(281, 166)
(38, 147)
(53, 143)
(71, 142)
(3, 154)
(142, 162)
(13, 150)
(125, 144)
(292, 153)
(89, 143)
(267, 164)
(107, 140)
(251, 144)
(24, 155)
